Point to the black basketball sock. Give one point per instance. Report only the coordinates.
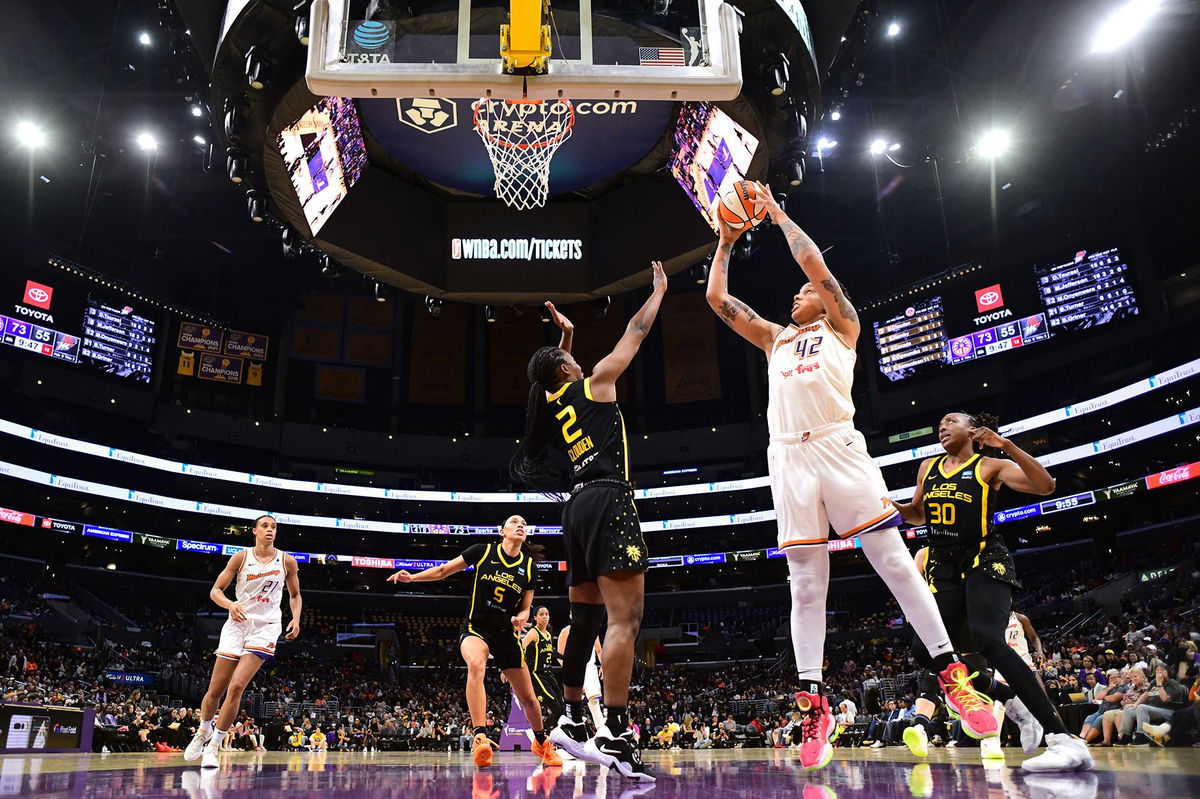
(540, 735)
(617, 718)
(481, 731)
(577, 710)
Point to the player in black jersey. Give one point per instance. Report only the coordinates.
(972, 575)
(501, 593)
(541, 658)
(578, 417)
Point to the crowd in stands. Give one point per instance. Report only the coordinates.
(1132, 676)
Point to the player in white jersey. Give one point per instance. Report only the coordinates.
(250, 633)
(593, 692)
(822, 475)
(1019, 633)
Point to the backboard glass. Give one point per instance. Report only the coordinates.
(602, 49)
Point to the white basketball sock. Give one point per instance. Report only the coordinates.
(886, 551)
(808, 570)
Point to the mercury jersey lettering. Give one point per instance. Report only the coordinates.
(499, 585)
(260, 587)
(810, 372)
(590, 433)
(539, 655)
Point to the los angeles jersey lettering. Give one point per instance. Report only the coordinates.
(260, 587)
(540, 654)
(958, 506)
(498, 586)
(810, 372)
(590, 433)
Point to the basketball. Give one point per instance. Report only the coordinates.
(740, 207)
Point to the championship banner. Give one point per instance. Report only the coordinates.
(316, 343)
(340, 383)
(246, 345)
(438, 364)
(220, 368)
(365, 312)
(689, 349)
(325, 309)
(195, 336)
(595, 338)
(368, 349)
(513, 340)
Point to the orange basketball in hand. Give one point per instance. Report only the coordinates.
(740, 207)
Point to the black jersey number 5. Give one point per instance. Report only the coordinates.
(569, 434)
(498, 595)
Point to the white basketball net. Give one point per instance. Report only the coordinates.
(521, 137)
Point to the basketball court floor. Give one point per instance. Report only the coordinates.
(757, 773)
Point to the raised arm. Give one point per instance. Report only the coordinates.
(430, 575)
(733, 312)
(227, 576)
(603, 382)
(840, 313)
(1022, 473)
(914, 511)
(564, 324)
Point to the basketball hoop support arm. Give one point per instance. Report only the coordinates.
(525, 41)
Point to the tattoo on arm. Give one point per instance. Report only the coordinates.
(731, 307)
(798, 241)
(844, 306)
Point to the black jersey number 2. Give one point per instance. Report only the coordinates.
(570, 432)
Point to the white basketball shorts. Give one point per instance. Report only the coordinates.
(248, 637)
(823, 478)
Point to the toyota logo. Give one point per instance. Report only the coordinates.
(38, 295)
(989, 298)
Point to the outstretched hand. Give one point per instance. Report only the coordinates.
(400, 577)
(564, 324)
(660, 277)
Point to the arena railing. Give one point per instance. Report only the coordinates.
(1038, 421)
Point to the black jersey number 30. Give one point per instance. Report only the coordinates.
(569, 434)
(941, 513)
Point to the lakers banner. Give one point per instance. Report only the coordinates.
(340, 384)
(513, 340)
(311, 343)
(368, 349)
(595, 338)
(220, 368)
(325, 309)
(187, 363)
(689, 349)
(195, 336)
(438, 366)
(246, 345)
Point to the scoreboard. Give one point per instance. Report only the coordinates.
(969, 322)
(58, 316)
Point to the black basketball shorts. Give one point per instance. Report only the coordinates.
(601, 532)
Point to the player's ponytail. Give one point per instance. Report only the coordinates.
(987, 420)
(530, 464)
(535, 551)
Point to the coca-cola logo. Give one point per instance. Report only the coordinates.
(1175, 475)
(12, 516)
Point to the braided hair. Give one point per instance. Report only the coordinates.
(983, 420)
(530, 464)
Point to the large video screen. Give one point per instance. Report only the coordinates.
(991, 315)
(324, 154)
(58, 315)
(711, 153)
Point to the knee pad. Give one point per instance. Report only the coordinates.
(586, 623)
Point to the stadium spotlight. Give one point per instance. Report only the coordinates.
(146, 141)
(835, 114)
(489, 313)
(824, 145)
(878, 146)
(236, 167)
(330, 267)
(144, 39)
(893, 30)
(600, 306)
(893, 147)
(993, 144)
(289, 244)
(1124, 24)
(381, 292)
(258, 68)
(544, 314)
(30, 134)
(777, 74)
(256, 205)
(235, 119)
(197, 111)
(699, 272)
(199, 140)
(793, 171)
(302, 30)
(434, 306)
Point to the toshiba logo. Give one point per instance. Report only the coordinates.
(988, 298)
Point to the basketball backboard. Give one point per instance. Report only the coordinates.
(602, 49)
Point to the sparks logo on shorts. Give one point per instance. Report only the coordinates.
(987, 299)
(37, 294)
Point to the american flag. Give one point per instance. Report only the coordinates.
(660, 56)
